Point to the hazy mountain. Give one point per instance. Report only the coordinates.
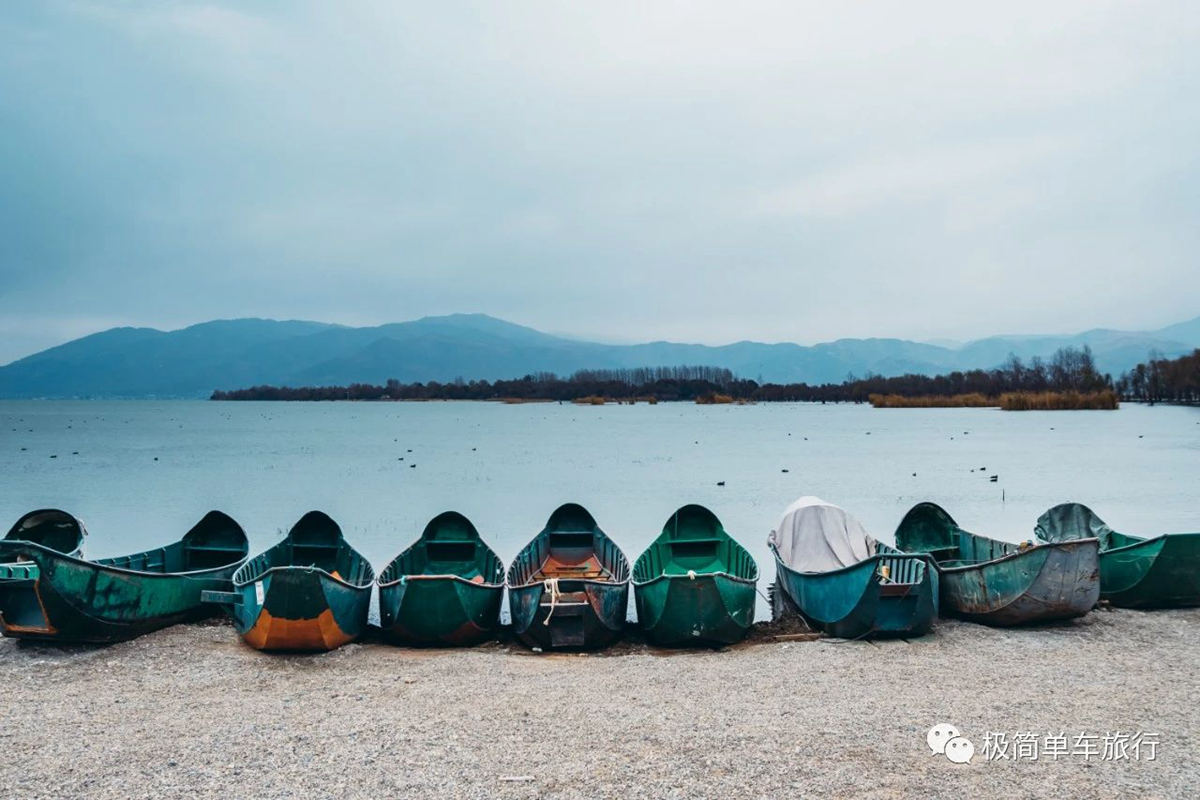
(229, 354)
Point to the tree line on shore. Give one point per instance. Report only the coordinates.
(1163, 380)
(1070, 370)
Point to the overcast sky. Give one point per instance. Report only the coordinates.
(622, 171)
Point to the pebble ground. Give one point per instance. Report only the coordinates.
(193, 711)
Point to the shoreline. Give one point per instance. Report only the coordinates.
(191, 710)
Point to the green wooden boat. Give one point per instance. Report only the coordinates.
(844, 582)
(48, 527)
(444, 589)
(312, 591)
(69, 599)
(694, 584)
(569, 587)
(1135, 572)
(999, 583)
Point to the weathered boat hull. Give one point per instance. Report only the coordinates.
(1135, 572)
(299, 609)
(72, 600)
(444, 589)
(569, 587)
(1163, 572)
(311, 591)
(694, 584)
(597, 621)
(677, 611)
(442, 610)
(1041, 584)
(855, 602)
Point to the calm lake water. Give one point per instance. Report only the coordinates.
(508, 467)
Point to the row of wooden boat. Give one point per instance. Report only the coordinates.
(569, 587)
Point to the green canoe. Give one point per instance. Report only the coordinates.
(312, 591)
(694, 584)
(444, 589)
(69, 599)
(1000, 583)
(844, 582)
(48, 527)
(569, 587)
(1135, 572)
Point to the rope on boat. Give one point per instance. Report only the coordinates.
(551, 585)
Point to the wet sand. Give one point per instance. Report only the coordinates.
(193, 711)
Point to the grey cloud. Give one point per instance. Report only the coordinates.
(692, 171)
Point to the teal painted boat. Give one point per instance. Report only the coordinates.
(569, 587)
(312, 591)
(694, 585)
(47, 527)
(1000, 583)
(445, 589)
(70, 599)
(842, 581)
(1135, 572)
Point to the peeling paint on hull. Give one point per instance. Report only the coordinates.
(1042, 584)
(69, 599)
(302, 609)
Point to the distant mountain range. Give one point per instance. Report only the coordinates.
(231, 354)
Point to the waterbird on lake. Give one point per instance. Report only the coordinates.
(720, 483)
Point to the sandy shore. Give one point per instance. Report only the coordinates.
(191, 710)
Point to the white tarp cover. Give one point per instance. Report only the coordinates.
(814, 536)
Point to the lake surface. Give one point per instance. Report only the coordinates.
(507, 467)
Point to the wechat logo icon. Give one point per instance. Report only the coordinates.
(946, 740)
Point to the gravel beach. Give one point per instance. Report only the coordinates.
(193, 711)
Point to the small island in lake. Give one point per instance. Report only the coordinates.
(1068, 381)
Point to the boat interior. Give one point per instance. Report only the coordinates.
(570, 548)
(449, 546)
(927, 528)
(693, 540)
(314, 541)
(214, 542)
(898, 571)
(51, 528)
